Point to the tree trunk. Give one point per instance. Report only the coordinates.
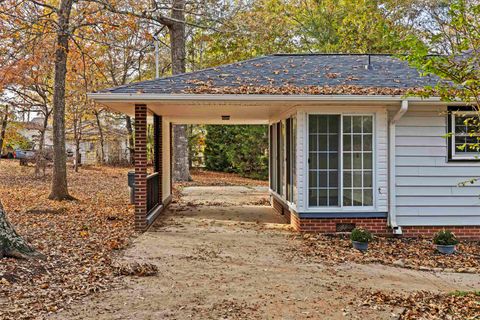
(100, 133)
(131, 143)
(59, 178)
(11, 244)
(40, 159)
(4, 129)
(177, 46)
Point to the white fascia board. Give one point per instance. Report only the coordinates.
(144, 98)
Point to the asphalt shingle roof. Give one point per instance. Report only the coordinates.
(298, 70)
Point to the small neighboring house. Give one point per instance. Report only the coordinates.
(31, 131)
(116, 149)
(347, 147)
(115, 145)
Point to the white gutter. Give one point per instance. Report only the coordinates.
(148, 97)
(392, 212)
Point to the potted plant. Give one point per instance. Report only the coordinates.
(445, 241)
(360, 239)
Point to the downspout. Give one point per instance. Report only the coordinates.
(392, 212)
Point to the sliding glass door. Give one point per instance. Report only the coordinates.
(340, 160)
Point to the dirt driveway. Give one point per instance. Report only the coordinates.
(231, 263)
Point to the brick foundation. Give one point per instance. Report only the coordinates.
(377, 226)
(282, 209)
(462, 232)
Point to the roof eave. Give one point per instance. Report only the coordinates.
(148, 97)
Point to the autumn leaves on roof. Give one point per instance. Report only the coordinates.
(297, 74)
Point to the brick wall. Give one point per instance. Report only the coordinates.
(281, 208)
(140, 167)
(377, 226)
(462, 232)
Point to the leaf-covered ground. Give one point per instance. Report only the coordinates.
(81, 240)
(406, 253)
(77, 237)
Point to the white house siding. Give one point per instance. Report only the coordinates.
(381, 153)
(427, 191)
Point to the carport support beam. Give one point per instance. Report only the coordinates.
(140, 167)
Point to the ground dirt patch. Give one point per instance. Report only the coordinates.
(211, 268)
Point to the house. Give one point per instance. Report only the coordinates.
(115, 144)
(347, 146)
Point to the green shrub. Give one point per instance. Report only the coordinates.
(361, 235)
(445, 238)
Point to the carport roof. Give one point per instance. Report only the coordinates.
(345, 74)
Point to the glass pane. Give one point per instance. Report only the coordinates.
(347, 124)
(322, 160)
(333, 161)
(313, 124)
(323, 197)
(322, 143)
(333, 124)
(322, 179)
(367, 142)
(333, 142)
(357, 124)
(347, 197)
(347, 160)
(357, 179)
(357, 143)
(333, 197)
(367, 161)
(312, 198)
(357, 197)
(312, 142)
(347, 179)
(322, 124)
(347, 143)
(367, 179)
(313, 160)
(367, 197)
(333, 179)
(357, 160)
(367, 124)
(313, 175)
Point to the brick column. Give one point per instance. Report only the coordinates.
(158, 153)
(140, 167)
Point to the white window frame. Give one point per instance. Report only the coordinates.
(341, 207)
(461, 156)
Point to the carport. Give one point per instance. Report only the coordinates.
(153, 192)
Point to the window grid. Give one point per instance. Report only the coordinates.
(465, 135)
(357, 131)
(322, 160)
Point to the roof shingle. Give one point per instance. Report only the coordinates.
(291, 70)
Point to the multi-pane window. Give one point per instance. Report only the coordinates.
(357, 161)
(323, 160)
(465, 137)
(340, 160)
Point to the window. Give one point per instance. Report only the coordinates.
(291, 127)
(357, 161)
(340, 160)
(464, 143)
